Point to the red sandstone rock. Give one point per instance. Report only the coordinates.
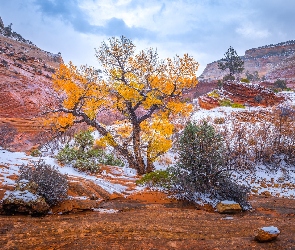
(25, 80)
(242, 93)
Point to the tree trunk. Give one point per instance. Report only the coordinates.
(137, 150)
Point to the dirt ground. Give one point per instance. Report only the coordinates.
(143, 224)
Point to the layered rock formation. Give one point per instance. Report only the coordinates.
(240, 93)
(271, 62)
(25, 80)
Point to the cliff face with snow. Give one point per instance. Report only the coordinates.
(271, 62)
(25, 81)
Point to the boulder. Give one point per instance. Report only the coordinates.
(24, 202)
(75, 205)
(266, 234)
(228, 207)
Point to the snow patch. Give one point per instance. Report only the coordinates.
(25, 196)
(105, 211)
(271, 230)
(227, 202)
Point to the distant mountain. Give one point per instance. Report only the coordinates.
(271, 62)
(25, 82)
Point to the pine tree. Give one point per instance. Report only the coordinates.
(232, 62)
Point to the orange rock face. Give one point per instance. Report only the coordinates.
(246, 94)
(254, 95)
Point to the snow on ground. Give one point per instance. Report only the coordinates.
(105, 211)
(13, 160)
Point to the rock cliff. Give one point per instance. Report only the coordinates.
(271, 62)
(233, 93)
(25, 80)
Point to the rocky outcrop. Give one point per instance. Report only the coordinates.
(24, 202)
(251, 94)
(208, 102)
(24, 199)
(271, 62)
(240, 93)
(26, 86)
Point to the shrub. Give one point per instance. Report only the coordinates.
(84, 140)
(228, 78)
(258, 98)
(280, 84)
(51, 184)
(158, 178)
(237, 105)
(245, 80)
(213, 94)
(200, 161)
(201, 167)
(227, 189)
(225, 103)
(88, 164)
(83, 156)
(35, 153)
(219, 120)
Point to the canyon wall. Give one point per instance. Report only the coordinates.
(271, 62)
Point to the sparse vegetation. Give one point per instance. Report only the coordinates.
(245, 80)
(214, 94)
(200, 170)
(51, 184)
(83, 156)
(158, 179)
(280, 84)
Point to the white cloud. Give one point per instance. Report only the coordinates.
(204, 28)
(250, 32)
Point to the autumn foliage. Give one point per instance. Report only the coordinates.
(145, 90)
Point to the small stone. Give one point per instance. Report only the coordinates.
(266, 234)
(266, 193)
(228, 207)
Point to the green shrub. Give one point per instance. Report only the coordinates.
(213, 94)
(84, 140)
(35, 153)
(245, 80)
(158, 178)
(238, 105)
(225, 103)
(228, 78)
(280, 84)
(201, 169)
(88, 164)
(84, 157)
(66, 155)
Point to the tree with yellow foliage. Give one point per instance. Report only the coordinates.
(146, 91)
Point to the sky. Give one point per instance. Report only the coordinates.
(204, 29)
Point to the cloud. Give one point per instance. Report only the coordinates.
(73, 13)
(204, 28)
(250, 32)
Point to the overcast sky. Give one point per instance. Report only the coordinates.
(203, 28)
